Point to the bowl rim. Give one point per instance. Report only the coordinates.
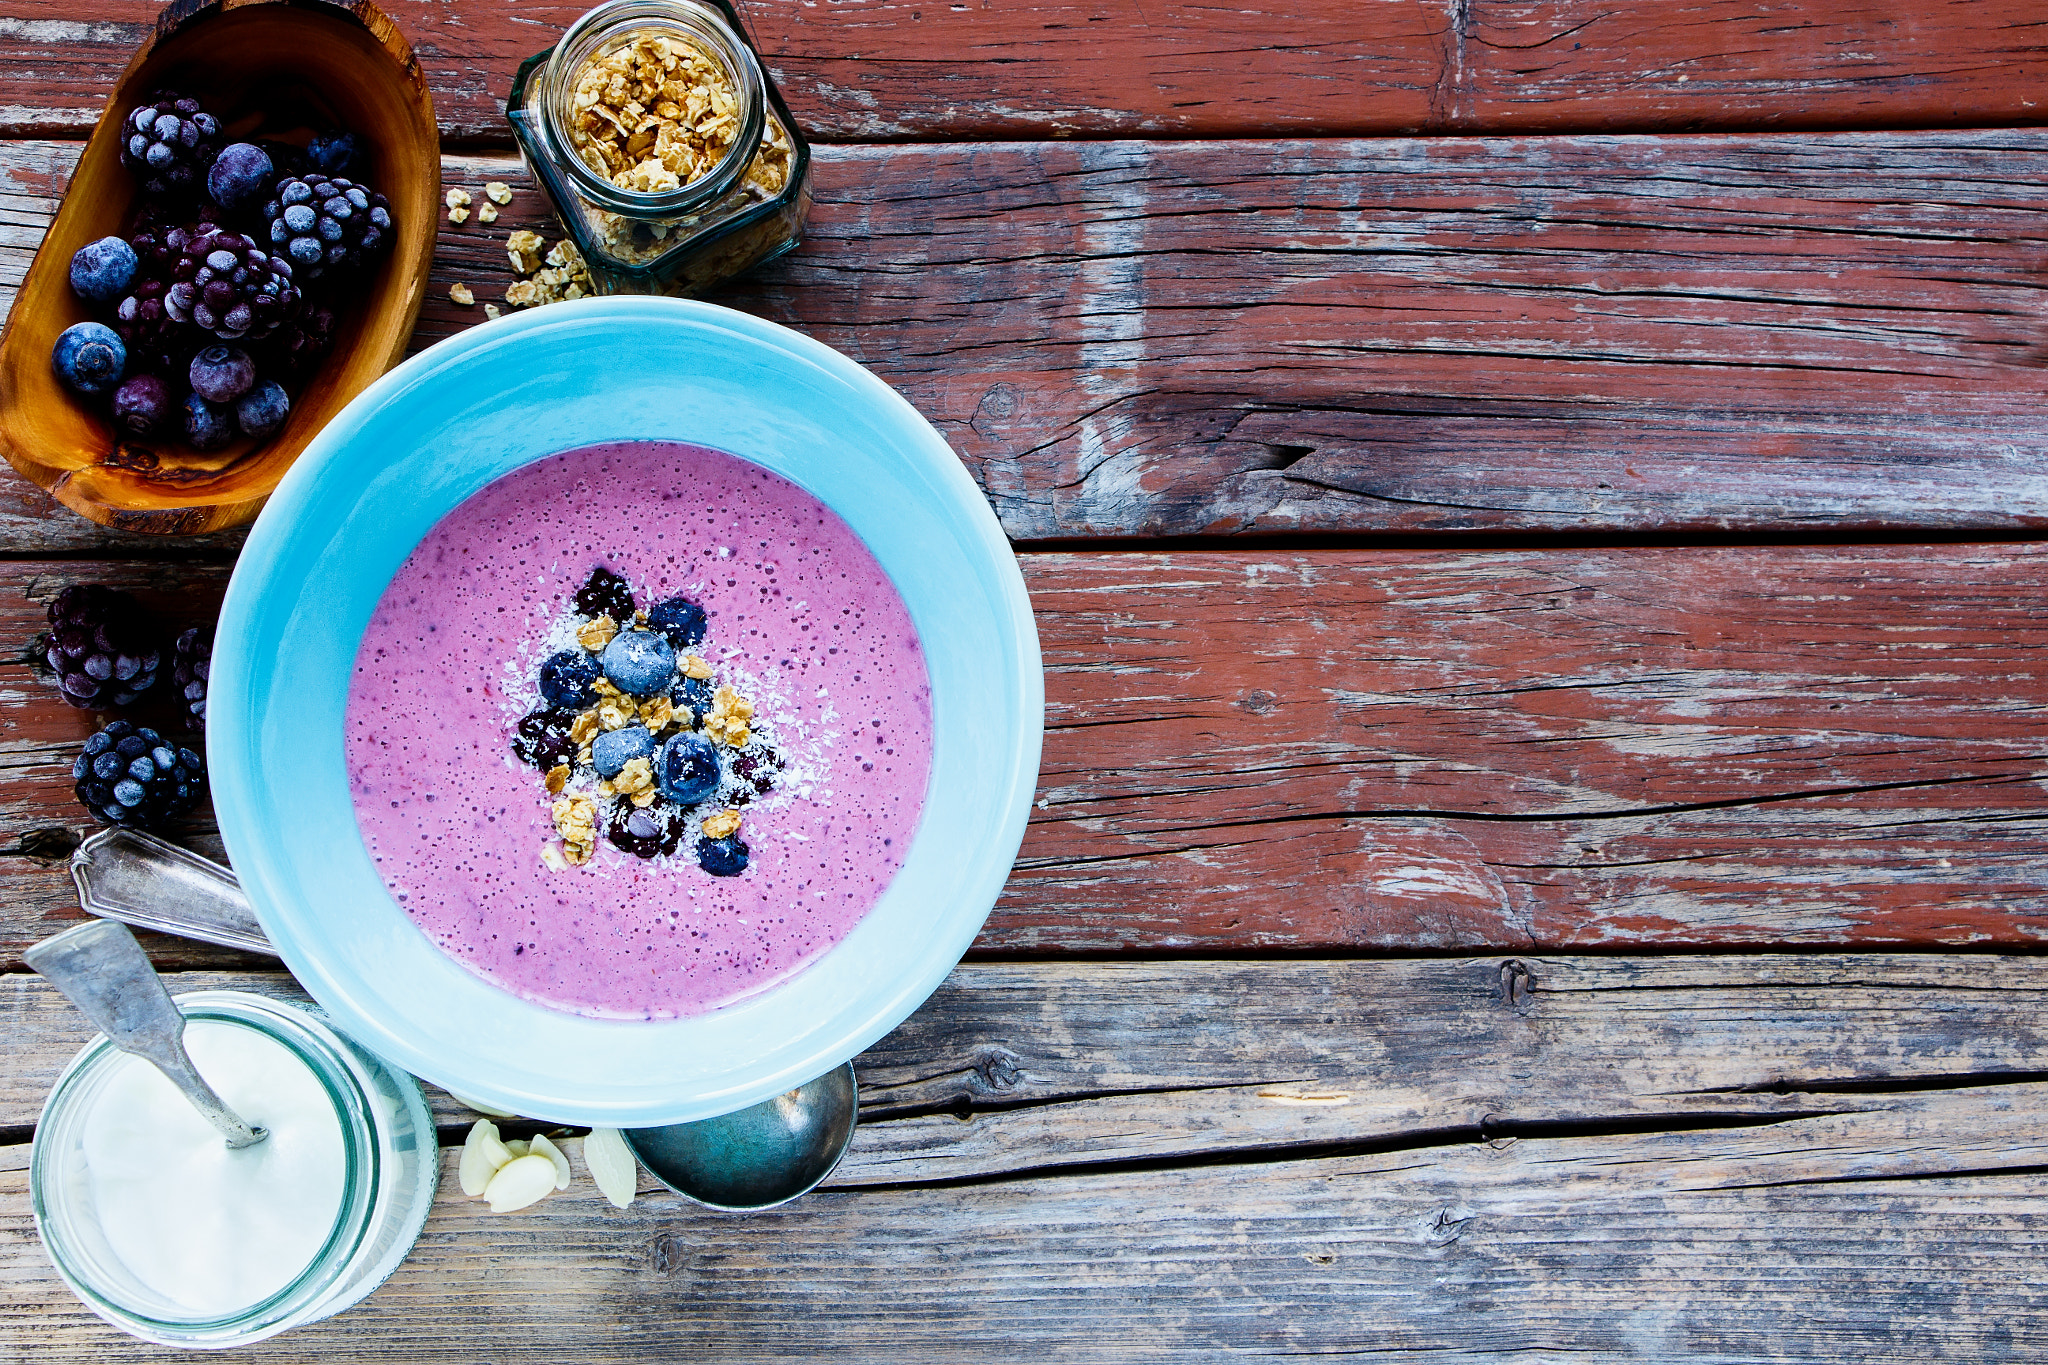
(232, 739)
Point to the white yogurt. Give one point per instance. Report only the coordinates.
(214, 1230)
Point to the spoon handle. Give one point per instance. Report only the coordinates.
(101, 969)
(142, 880)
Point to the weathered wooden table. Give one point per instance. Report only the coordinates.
(1532, 514)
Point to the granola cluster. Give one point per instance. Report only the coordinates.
(653, 113)
(637, 739)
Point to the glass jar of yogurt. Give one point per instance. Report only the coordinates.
(169, 1235)
(665, 149)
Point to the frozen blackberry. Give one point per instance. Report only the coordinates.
(326, 225)
(604, 593)
(223, 283)
(102, 647)
(135, 777)
(191, 663)
(645, 831)
(725, 857)
(297, 347)
(542, 737)
(758, 769)
(167, 144)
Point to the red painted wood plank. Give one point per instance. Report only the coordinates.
(920, 69)
(1401, 750)
(1454, 335)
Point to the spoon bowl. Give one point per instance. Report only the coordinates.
(758, 1157)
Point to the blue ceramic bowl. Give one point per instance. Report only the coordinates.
(434, 431)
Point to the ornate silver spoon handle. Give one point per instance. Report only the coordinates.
(141, 880)
(102, 969)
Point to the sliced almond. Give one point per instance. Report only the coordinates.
(542, 1147)
(482, 1156)
(522, 1181)
(519, 1147)
(612, 1166)
(480, 1107)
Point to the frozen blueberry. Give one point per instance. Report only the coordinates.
(262, 409)
(101, 271)
(333, 154)
(639, 662)
(221, 374)
(569, 678)
(240, 175)
(725, 857)
(208, 426)
(680, 619)
(144, 405)
(604, 593)
(687, 770)
(614, 749)
(693, 695)
(89, 357)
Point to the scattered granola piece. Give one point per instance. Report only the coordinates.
(616, 713)
(584, 728)
(497, 191)
(576, 822)
(656, 713)
(523, 294)
(524, 247)
(605, 788)
(594, 635)
(487, 213)
(551, 857)
(459, 292)
(719, 825)
(646, 798)
(696, 666)
(605, 687)
(492, 312)
(456, 199)
(458, 215)
(558, 778)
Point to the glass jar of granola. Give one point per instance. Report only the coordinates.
(666, 150)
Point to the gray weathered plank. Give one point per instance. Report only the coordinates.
(1906, 1235)
(1023, 1068)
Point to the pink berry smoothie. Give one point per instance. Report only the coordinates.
(800, 616)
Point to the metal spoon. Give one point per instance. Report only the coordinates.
(102, 969)
(758, 1157)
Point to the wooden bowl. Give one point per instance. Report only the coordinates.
(266, 68)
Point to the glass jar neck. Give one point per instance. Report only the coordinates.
(611, 25)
